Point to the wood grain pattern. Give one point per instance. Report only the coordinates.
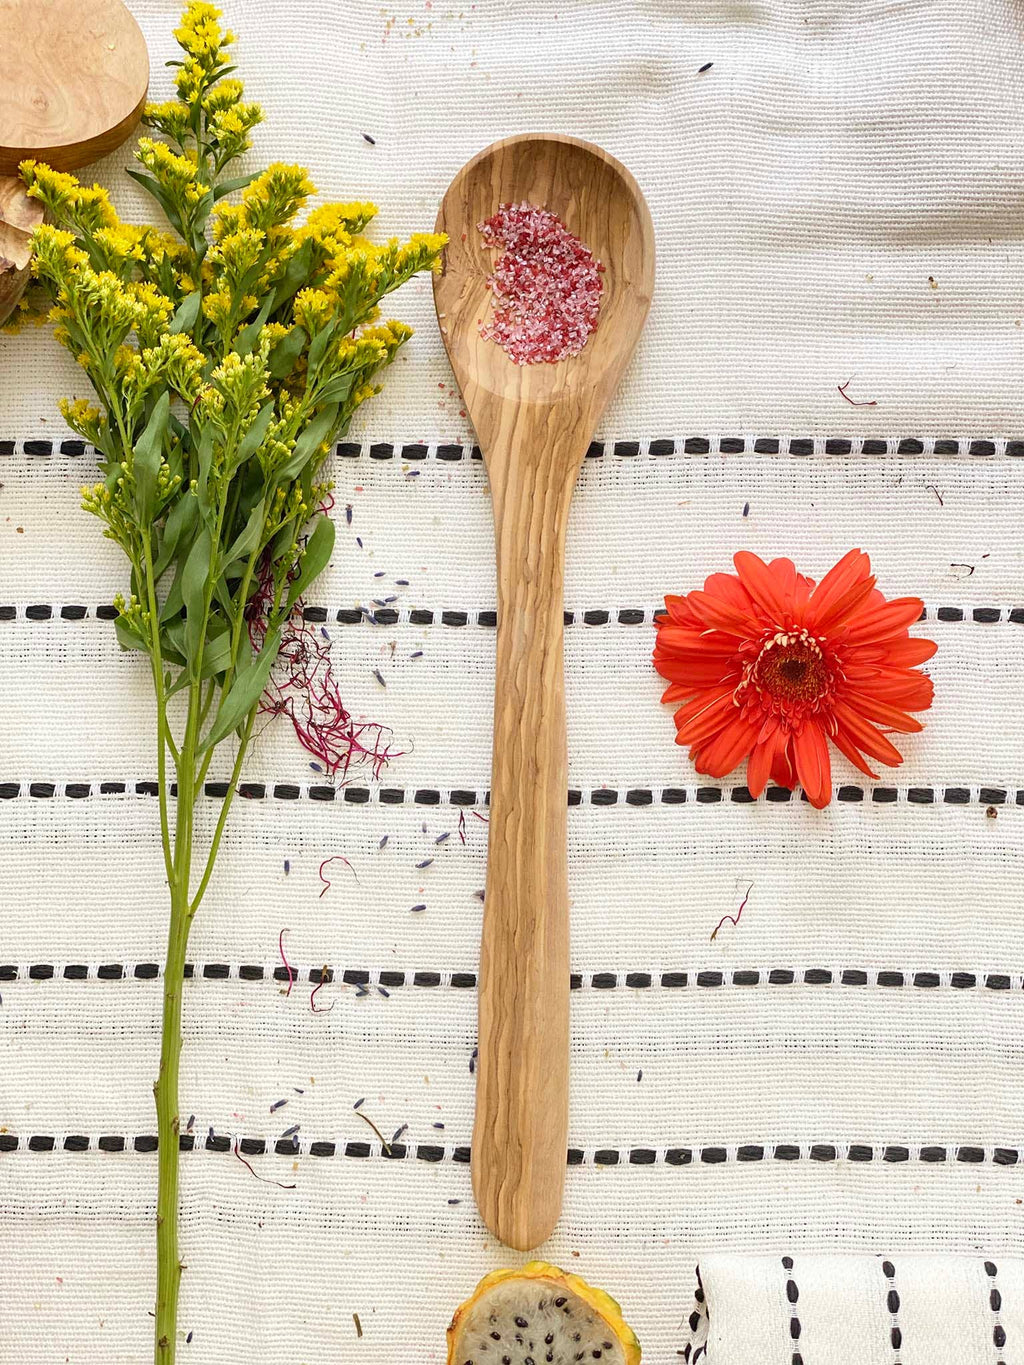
(74, 75)
(18, 216)
(534, 424)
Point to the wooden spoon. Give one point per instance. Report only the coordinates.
(73, 82)
(534, 424)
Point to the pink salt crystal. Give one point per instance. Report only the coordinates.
(546, 287)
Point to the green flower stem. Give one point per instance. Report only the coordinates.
(163, 733)
(165, 1090)
(225, 808)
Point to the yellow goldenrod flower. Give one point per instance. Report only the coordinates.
(222, 95)
(276, 196)
(312, 309)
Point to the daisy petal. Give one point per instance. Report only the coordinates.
(762, 760)
(729, 747)
(694, 672)
(845, 744)
(871, 708)
(707, 721)
(679, 612)
(851, 569)
(841, 609)
(705, 642)
(771, 588)
(883, 622)
(729, 588)
(714, 612)
(813, 765)
(783, 769)
(909, 652)
(866, 737)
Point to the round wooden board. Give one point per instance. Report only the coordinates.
(73, 80)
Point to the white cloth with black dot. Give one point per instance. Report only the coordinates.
(837, 197)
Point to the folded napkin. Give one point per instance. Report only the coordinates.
(808, 1309)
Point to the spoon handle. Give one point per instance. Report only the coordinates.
(520, 1135)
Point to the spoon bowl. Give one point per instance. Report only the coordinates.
(534, 423)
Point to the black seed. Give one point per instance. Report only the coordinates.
(549, 1356)
(607, 1345)
(520, 1339)
(506, 1360)
(521, 1322)
(495, 1336)
(575, 1336)
(549, 1339)
(529, 1361)
(596, 1355)
(559, 1302)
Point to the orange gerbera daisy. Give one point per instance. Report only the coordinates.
(769, 667)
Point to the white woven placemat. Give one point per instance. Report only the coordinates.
(837, 198)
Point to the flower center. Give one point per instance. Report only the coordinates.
(788, 675)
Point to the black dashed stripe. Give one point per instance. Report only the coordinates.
(434, 1153)
(995, 1303)
(793, 1298)
(892, 1303)
(599, 796)
(486, 617)
(978, 447)
(708, 979)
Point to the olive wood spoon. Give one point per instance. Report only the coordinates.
(534, 424)
(73, 81)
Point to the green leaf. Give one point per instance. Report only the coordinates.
(254, 436)
(309, 442)
(247, 337)
(194, 578)
(174, 602)
(340, 387)
(318, 346)
(229, 186)
(186, 314)
(296, 274)
(286, 353)
(244, 692)
(172, 644)
(315, 558)
(203, 481)
(217, 654)
(178, 528)
(249, 538)
(161, 196)
(146, 463)
(128, 637)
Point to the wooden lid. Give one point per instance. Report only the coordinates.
(74, 81)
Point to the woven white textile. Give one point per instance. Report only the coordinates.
(916, 1310)
(839, 197)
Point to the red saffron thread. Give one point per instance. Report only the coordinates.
(864, 403)
(303, 687)
(335, 857)
(481, 817)
(326, 1009)
(266, 1179)
(733, 919)
(462, 825)
(280, 949)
